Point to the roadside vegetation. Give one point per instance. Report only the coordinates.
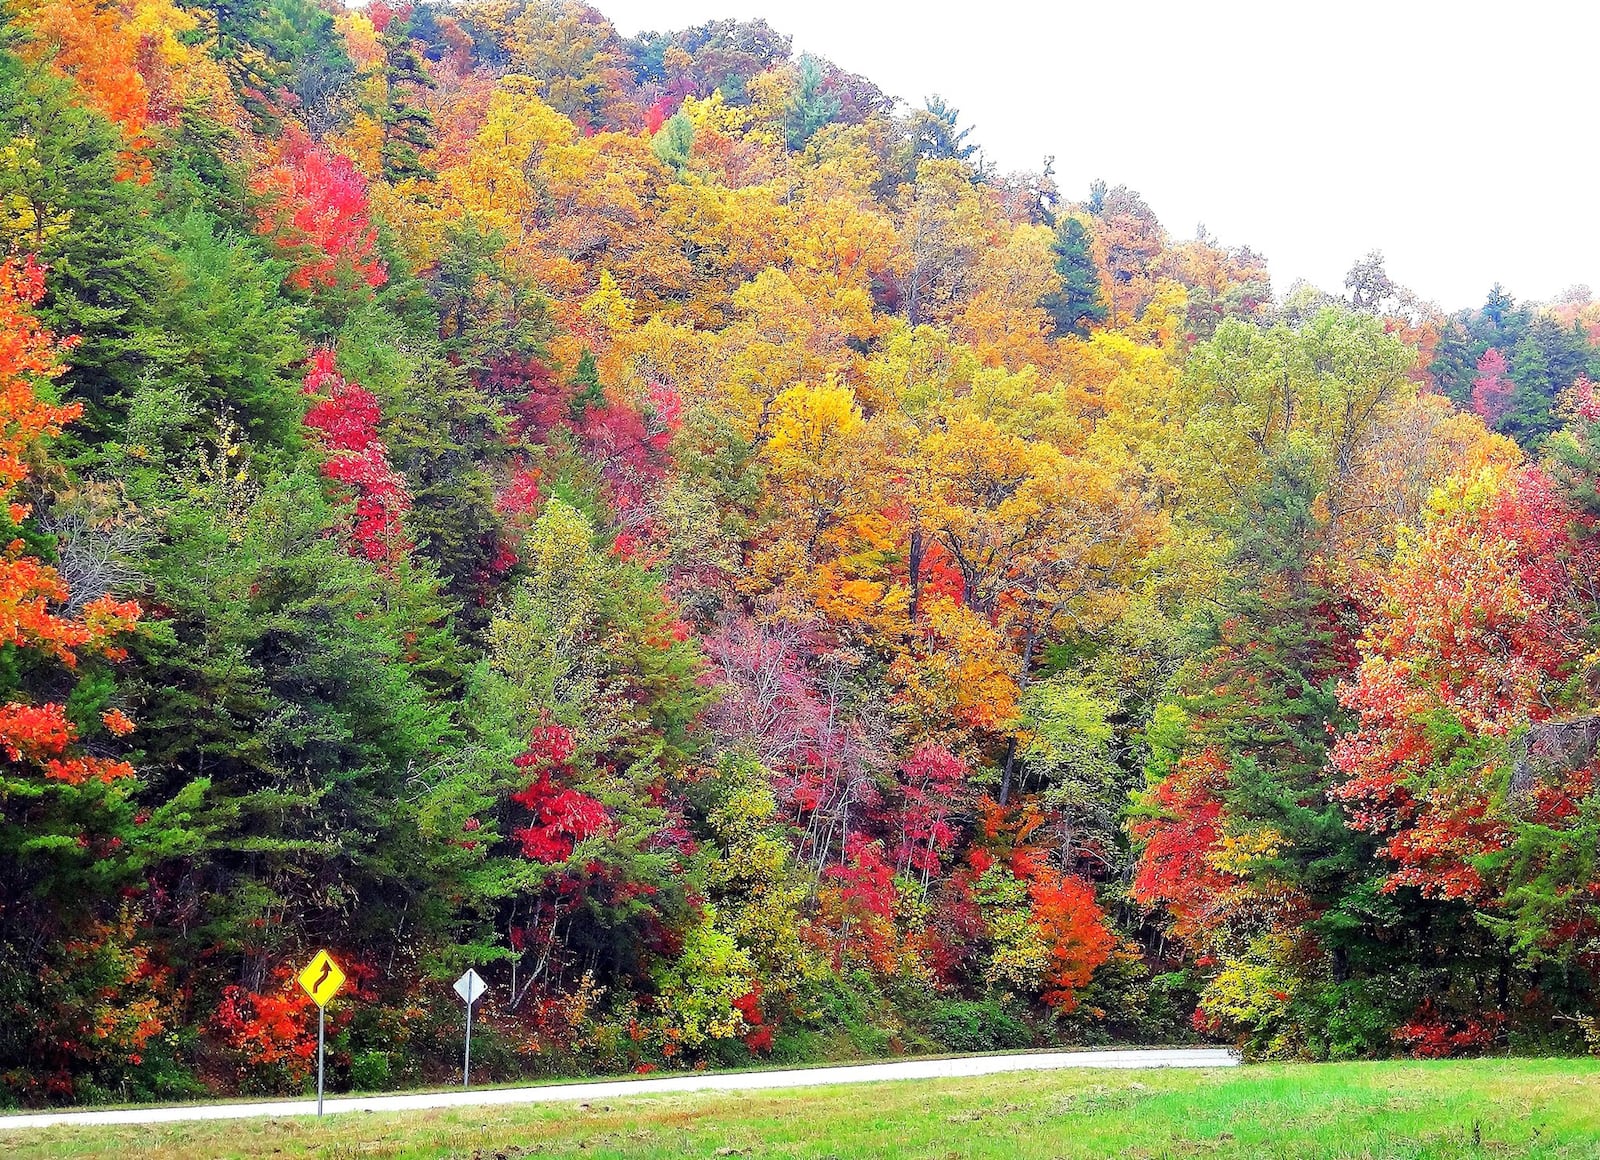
(1374, 1111)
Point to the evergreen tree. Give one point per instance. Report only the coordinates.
(936, 133)
(1501, 316)
(300, 692)
(1267, 702)
(586, 381)
(94, 232)
(444, 435)
(1078, 305)
(265, 46)
(231, 339)
(1454, 366)
(1290, 643)
(810, 107)
(407, 126)
(484, 311)
(1545, 362)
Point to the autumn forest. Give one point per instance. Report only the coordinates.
(665, 524)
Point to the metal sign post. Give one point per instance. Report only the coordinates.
(471, 988)
(321, 979)
(322, 1038)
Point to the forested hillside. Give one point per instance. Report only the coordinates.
(662, 523)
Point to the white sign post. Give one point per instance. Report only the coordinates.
(471, 988)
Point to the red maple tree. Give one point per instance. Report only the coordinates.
(561, 816)
(314, 208)
(345, 418)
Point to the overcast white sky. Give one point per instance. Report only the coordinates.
(1458, 138)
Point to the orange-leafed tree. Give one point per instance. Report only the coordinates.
(65, 818)
(1074, 932)
(33, 629)
(90, 41)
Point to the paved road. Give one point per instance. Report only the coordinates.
(743, 1081)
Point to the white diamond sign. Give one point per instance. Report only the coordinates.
(471, 987)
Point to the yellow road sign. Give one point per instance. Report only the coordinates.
(322, 979)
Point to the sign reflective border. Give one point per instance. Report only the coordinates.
(322, 979)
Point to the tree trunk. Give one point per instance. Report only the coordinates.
(914, 568)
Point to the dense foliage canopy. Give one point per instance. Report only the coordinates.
(661, 523)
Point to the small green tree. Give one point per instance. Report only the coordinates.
(1078, 305)
(810, 106)
(673, 143)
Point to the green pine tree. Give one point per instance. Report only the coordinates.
(586, 380)
(810, 107)
(1078, 305)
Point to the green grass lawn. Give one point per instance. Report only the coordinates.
(1481, 1108)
